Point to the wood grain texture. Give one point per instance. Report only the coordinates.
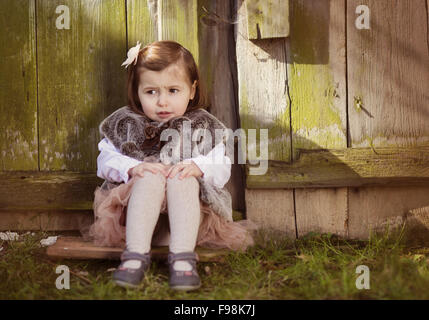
(373, 209)
(179, 22)
(388, 101)
(81, 80)
(37, 190)
(317, 91)
(78, 248)
(218, 72)
(268, 19)
(272, 210)
(142, 22)
(18, 86)
(47, 220)
(389, 74)
(262, 90)
(317, 74)
(322, 210)
(347, 167)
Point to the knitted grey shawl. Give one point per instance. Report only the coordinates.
(137, 136)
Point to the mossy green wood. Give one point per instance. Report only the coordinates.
(18, 86)
(316, 75)
(81, 80)
(268, 19)
(263, 103)
(142, 22)
(179, 22)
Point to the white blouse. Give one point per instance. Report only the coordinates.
(113, 165)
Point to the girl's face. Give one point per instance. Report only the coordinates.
(165, 94)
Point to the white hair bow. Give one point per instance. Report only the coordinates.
(132, 55)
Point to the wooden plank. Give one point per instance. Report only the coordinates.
(179, 22)
(81, 80)
(268, 19)
(272, 210)
(317, 74)
(263, 104)
(331, 206)
(317, 92)
(18, 86)
(142, 22)
(219, 76)
(47, 190)
(77, 248)
(47, 220)
(347, 167)
(375, 208)
(261, 66)
(388, 74)
(417, 226)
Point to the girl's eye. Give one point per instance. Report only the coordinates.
(174, 90)
(150, 91)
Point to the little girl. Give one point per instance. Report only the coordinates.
(147, 201)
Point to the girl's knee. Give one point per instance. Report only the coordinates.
(151, 179)
(188, 182)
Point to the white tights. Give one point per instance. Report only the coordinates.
(144, 208)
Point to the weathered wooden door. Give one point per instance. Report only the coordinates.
(346, 107)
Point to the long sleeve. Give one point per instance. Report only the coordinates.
(215, 166)
(114, 166)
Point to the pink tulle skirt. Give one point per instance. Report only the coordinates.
(215, 232)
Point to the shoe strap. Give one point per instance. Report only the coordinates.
(172, 257)
(128, 255)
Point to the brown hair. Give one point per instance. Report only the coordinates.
(156, 57)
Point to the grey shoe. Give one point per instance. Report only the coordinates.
(129, 277)
(184, 280)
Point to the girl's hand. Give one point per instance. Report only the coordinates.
(187, 169)
(148, 166)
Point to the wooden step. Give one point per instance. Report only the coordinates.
(78, 248)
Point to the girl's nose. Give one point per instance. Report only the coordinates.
(162, 100)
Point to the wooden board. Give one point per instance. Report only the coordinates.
(142, 22)
(219, 75)
(262, 91)
(81, 80)
(179, 22)
(348, 167)
(268, 19)
(47, 220)
(47, 190)
(317, 92)
(78, 248)
(373, 209)
(272, 210)
(388, 74)
(18, 86)
(322, 210)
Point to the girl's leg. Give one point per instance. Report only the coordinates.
(184, 216)
(143, 211)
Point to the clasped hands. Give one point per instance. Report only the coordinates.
(187, 169)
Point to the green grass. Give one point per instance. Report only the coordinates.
(317, 266)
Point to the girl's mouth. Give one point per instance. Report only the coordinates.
(163, 114)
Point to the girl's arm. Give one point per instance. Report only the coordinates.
(113, 165)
